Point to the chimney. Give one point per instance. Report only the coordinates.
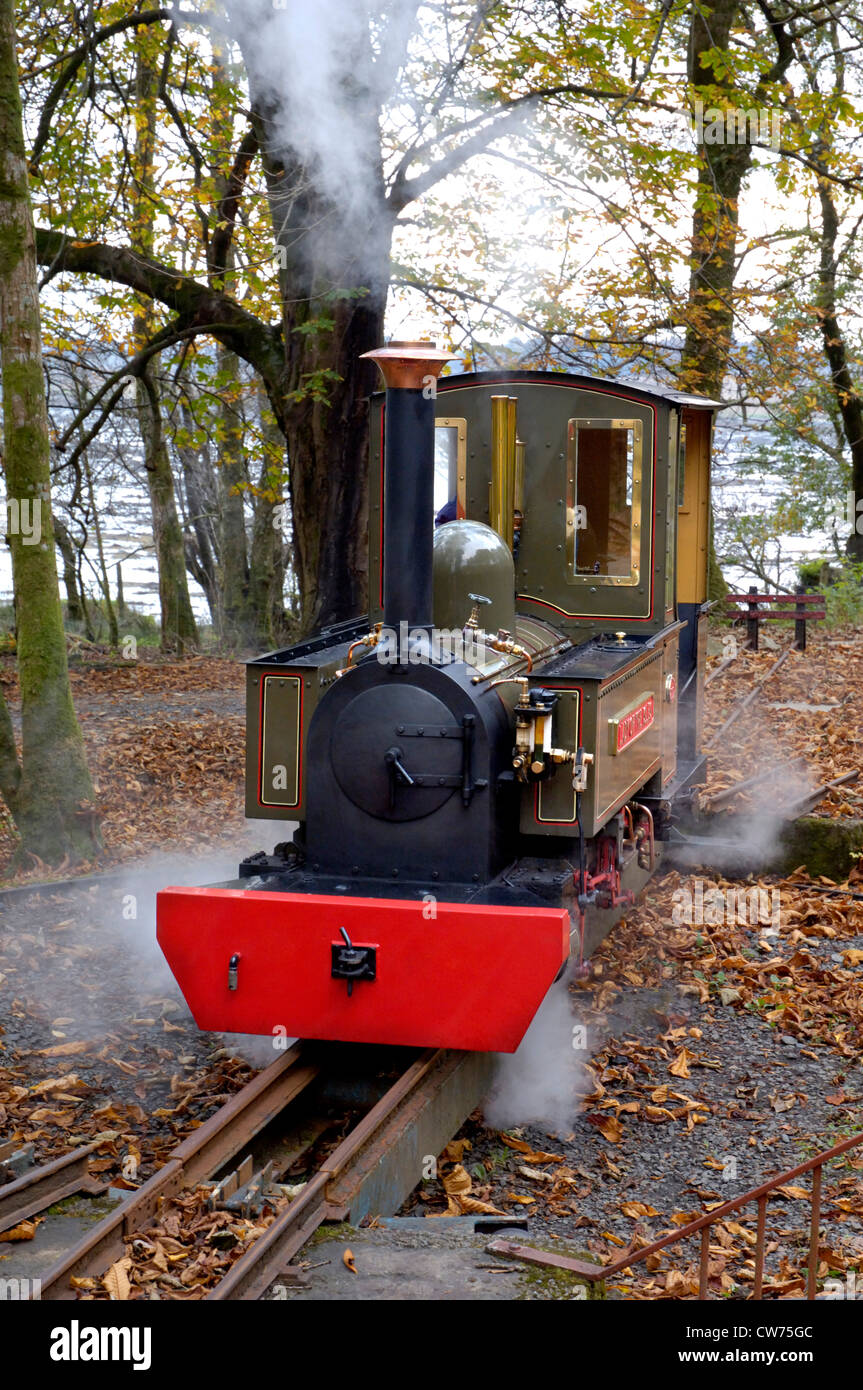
(410, 371)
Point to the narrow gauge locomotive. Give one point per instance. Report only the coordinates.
(485, 767)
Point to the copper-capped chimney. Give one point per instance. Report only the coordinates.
(410, 371)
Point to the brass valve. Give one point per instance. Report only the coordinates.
(473, 620)
(503, 643)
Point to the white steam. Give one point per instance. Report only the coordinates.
(543, 1081)
(314, 72)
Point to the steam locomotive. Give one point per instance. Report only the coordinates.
(483, 769)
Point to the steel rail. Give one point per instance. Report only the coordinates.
(746, 700)
(820, 888)
(65, 885)
(807, 803)
(45, 1184)
(727, 794)
(216, 1141)
(256, 1268)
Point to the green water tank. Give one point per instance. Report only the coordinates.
(471, 558)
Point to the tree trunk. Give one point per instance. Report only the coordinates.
(110, 613)
(328, 461)
(334, 271)
(267, 553)
(202, 510)
(178, 621)
(65, 545)
(710, 312)
(238, 621)
(10, 768)
(53, 799)
(710, 306)
(847, 396)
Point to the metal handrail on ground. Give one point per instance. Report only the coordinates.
(703, 1224)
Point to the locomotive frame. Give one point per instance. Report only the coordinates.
(466, 824)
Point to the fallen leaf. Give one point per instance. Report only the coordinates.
(25, 1230)
(456, 1150)
(535, 1174)
(680, 1065)
(348, 1261)
(782, 1103)
(116, 1281)
(610, 1128)
(67, 1084)
(457, 1181)
(69, 1049)
(473, 1206)
(636, 1209)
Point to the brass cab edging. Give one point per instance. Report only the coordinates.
(459, 424)
(619, 581)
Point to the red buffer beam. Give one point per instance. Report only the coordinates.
(431, 974)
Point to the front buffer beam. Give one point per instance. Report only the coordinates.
(364, 970)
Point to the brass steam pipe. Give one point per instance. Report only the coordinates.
(553, 649)
(503, 458)
(518, 487)
(499, 407)
(513, 680)
(371, 639)
(509, 501)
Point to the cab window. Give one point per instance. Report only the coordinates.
(449, 468)
(604, 499)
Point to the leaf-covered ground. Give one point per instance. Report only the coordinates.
(164, 741)
(715, 1054)
(709, 1058)
(811, 710)
(95, 1040)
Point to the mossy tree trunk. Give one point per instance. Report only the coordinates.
(53, 798)
(10, 768)
(843, 375)
(178, 621)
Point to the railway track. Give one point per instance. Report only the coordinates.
(19, 891)
(372, 1169)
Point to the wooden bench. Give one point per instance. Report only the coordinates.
(800, 606)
